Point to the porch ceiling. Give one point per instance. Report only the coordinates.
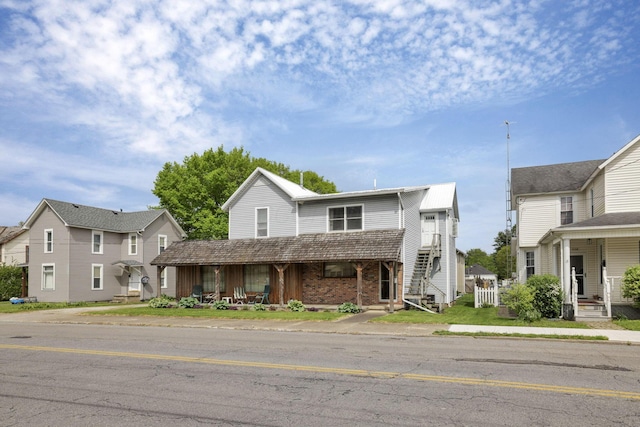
(374, 245)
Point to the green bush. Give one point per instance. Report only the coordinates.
(188, 302)
(348, 307)
(259, 307)
(631, 284)
(10, 282)
(519, 298)
(547, 295)
(295, 305)
(221, 305)
(163, 301)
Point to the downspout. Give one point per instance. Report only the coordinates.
(448, 267)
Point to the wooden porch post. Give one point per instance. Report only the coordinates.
(159, 270)
(359, 268)
(24, 282)
(281, 268)
(216, 270)
(392, 294)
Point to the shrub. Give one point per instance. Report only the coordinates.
(259, 307)
(221, 305)
(348, 307)
(631, 284)
(295, 305)
(162, 301)
(188, 302)
(547, 294)
(10, 282)
(519, 298)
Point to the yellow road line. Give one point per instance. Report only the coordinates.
(341, 371)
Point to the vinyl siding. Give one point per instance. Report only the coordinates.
(536, 216)
(621, 182)
(620, 255)
(412, 238)
(598, 196)
(263, 193)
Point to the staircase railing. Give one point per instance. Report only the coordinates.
(574, 291)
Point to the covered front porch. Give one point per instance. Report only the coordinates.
(590, 257)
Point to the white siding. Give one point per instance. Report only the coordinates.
(620, 255)
(412, 238)
(262, 193)
(622, 182)
(536, 216)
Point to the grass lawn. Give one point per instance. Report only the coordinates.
(221, 314)
(463, 313)
(7, 307)
(632, 325)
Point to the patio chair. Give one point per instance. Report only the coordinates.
(263, 298)
(239, 296)
(196, 292)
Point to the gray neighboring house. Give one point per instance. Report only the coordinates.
(321, 248)
(581, 222)
(481, 275)
(84, 253)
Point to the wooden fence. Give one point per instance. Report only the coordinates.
(488, 295)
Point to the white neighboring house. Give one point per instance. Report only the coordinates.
(14, 245)
(477, 272)
(581, 222)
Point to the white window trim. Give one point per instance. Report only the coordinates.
(166, 242)
(134, 235)
(344, 207)
(93, 266)
(100, 250)
(163, 279)
(46, 240)
(53, 288)
(256, 222)
(573, 210)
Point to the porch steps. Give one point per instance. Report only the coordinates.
(132, 296)
(592, 312)
(422, 269)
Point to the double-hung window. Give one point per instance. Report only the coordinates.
(530, 264)
(162, 243)
(345, 218)
(566, 210)
(48, 241)
(96, 277)
(96, 239)
(48, 277)
(262, 222)
(133, 244)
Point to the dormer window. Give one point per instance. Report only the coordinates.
(345, 218)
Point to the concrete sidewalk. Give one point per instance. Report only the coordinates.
(356, 324)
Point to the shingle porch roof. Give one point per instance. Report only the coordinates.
(374, 245)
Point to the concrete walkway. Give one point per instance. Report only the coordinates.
(356, 324)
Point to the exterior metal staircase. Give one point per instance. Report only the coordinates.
(418, 294)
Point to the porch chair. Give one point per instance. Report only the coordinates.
(263, 298)
(196, 292)
(239, 296)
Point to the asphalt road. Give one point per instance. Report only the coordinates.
(97, 375)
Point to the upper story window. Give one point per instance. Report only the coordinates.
(345, 218)
(262, 222)
(133, 244)
(566, 210)
(96, 239)
(162, 243)
(48, 241)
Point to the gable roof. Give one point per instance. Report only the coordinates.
(374, 245)
(440, 197)
(81, 216)
(9, 233)
(291, 189)
(556, 178)
(477, 270)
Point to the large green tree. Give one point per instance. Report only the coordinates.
(195, 190)
(480, 257)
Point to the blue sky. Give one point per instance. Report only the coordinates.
(96, 96)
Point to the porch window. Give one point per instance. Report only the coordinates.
(384, 283)
(339, 269)
(133, 244)
(163, 278)
(566, 210)
(208, 274)
(262, 222)
(256, 277)
(96, 238)
(48, 241)
(530, 264)
(345, 218)
(48, 277)
(96, 273)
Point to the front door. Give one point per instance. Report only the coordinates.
(134, 279)
(428, 229)
(577, 262)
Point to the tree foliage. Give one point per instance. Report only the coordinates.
(500, 260)
(631, 284)
(195, 190)
(479, 257)
(10, 281)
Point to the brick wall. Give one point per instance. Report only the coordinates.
(317, 289)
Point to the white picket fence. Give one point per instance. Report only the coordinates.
(488, 295)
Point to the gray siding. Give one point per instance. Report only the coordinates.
(379, 213)
(262, 194)
(412, 237)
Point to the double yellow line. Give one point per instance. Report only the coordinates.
(340, 371)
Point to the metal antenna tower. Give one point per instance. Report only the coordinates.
(507, 232)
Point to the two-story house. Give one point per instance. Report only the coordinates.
(83, 253)
(370, 247)
(581, 222)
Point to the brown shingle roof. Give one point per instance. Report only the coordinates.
(374, 245)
